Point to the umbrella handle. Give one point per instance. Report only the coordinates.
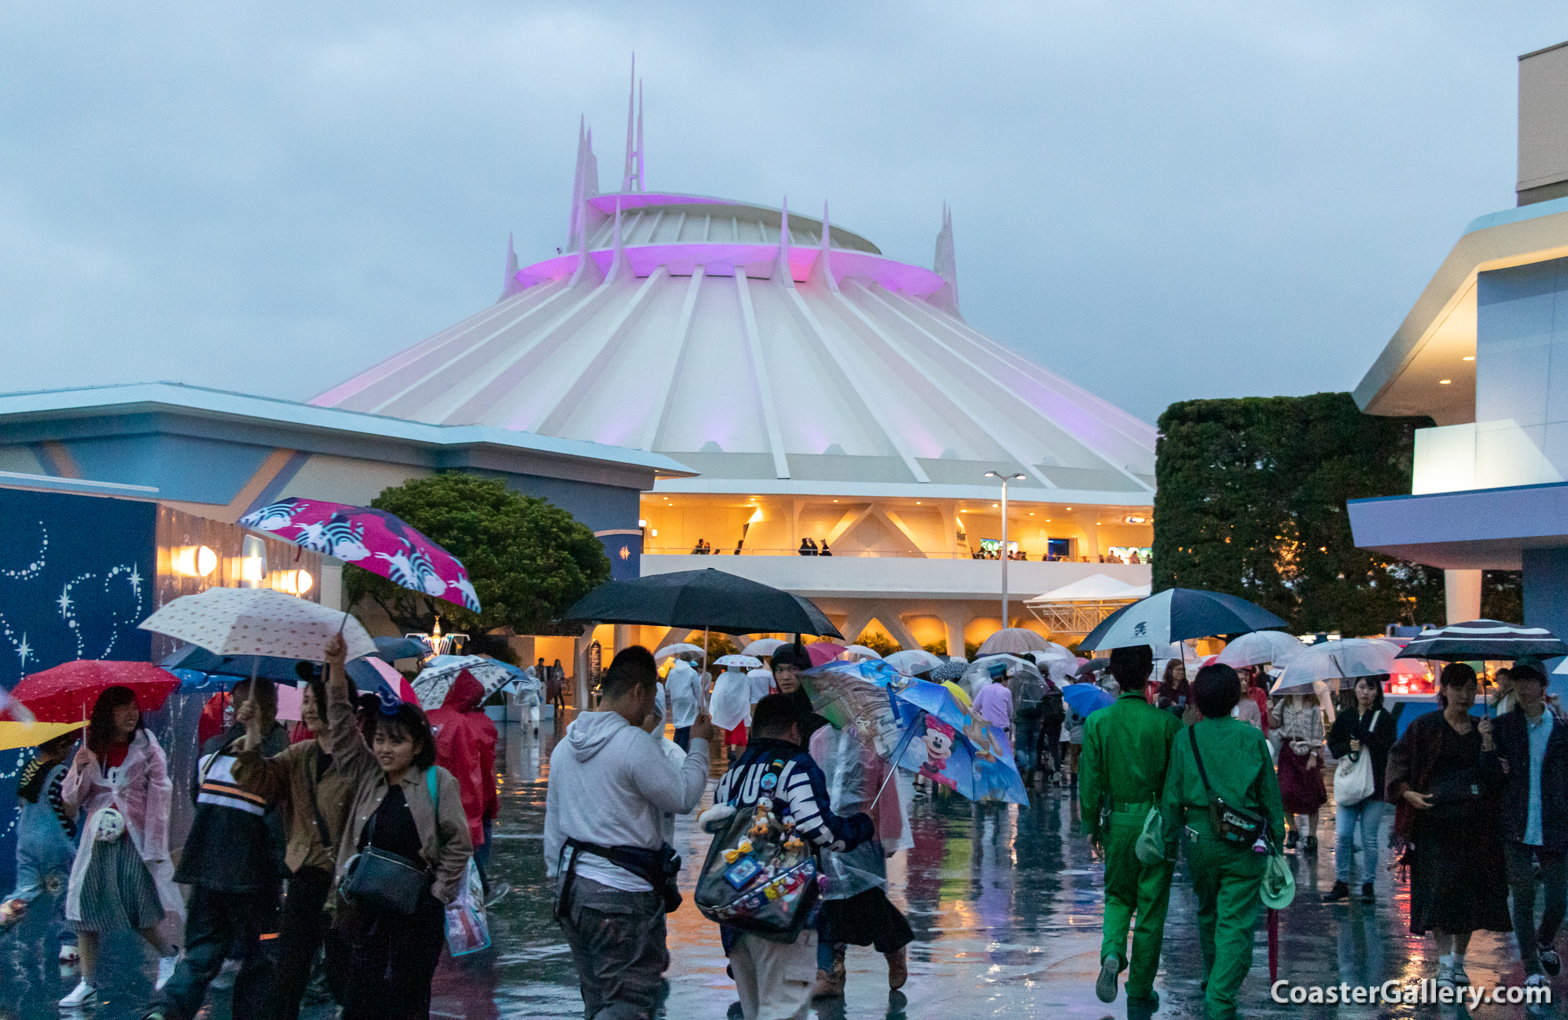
(897, 754)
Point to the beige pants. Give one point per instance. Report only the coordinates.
(775, 980)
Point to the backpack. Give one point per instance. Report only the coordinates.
(760, 877)
(1052, 711)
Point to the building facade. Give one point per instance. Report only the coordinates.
(1484, 352)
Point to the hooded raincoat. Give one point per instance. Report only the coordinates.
(465, 747)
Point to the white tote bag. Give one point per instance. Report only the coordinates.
(1353, 776)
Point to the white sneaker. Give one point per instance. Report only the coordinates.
(81, 995)
(166, 965)
(1445, 975)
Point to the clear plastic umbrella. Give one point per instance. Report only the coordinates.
(763, 646)
(913, 661)
(1016, 641)
(1332, 662)
(862, 651)
(669, 651)
(1259, 647)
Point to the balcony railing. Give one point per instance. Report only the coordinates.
(670, 550)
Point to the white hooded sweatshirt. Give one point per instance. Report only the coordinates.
(610, 784)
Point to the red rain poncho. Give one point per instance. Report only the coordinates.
(465, 747)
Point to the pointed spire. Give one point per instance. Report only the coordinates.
(510, 284)
(574, 219)
(619, 265)
(631, 176)
(781, 269)
(822, 271)
(946, 265)
(587, 271)
(591, 171)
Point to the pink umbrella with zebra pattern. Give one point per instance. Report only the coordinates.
(371, 539)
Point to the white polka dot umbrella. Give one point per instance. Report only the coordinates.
(258, 621)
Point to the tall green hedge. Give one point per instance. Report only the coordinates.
(1251, 500)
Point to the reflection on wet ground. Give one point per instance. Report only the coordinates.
(1004, 902)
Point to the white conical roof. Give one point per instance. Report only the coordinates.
(684, 333)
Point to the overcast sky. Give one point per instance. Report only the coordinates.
(1159, 201)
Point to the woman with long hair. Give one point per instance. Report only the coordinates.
(122, 877)
(1174, 693)
(391, 957)
(1447, 811)
(1363, 726)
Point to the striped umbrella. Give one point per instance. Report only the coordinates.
(1484, 639)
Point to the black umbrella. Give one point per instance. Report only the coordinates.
(702, 599)
(1484, 639)
(1177, 614)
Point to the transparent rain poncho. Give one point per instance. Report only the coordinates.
(854, 776)
(730, 704)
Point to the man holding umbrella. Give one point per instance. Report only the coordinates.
(1121, 777)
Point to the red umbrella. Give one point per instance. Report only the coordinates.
(68, 692)
(1273, 945)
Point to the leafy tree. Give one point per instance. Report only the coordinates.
(877, 641)
(1251, 500)
(528, 559)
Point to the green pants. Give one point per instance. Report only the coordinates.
(1226, 880)
(1132, 887)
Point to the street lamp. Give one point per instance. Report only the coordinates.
(1004, 479)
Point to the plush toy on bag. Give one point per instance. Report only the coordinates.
(760, 876)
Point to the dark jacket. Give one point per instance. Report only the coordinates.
(1411, 763)
(1512, 745)
(237, 840)
(1377, 739)
(802, 788)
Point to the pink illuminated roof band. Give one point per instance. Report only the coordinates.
(682, 259)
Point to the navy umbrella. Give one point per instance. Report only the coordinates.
(1484, 639)
(394, 648)
(1177, 614)
(702, 599)
(228, 670)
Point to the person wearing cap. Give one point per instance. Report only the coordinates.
(1126, 747)
(1226, 877)
(1530, 764)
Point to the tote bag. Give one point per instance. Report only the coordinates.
(1353, 781)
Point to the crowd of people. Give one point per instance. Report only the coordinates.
(338, 852)
(333, 853)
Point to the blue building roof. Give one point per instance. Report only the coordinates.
(95, 411)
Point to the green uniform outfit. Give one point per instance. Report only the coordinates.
(1224, 876)
(1126, 747)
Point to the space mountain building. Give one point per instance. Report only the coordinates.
(823, 396)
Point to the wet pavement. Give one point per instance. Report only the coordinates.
(1005, 905)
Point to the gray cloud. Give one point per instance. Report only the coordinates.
(1159, 201)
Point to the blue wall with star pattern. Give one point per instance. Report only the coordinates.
(76, 577)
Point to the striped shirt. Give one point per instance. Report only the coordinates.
(800, 793)
(218, 787)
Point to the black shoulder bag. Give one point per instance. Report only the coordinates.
(378, 880)
(1234, 825)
